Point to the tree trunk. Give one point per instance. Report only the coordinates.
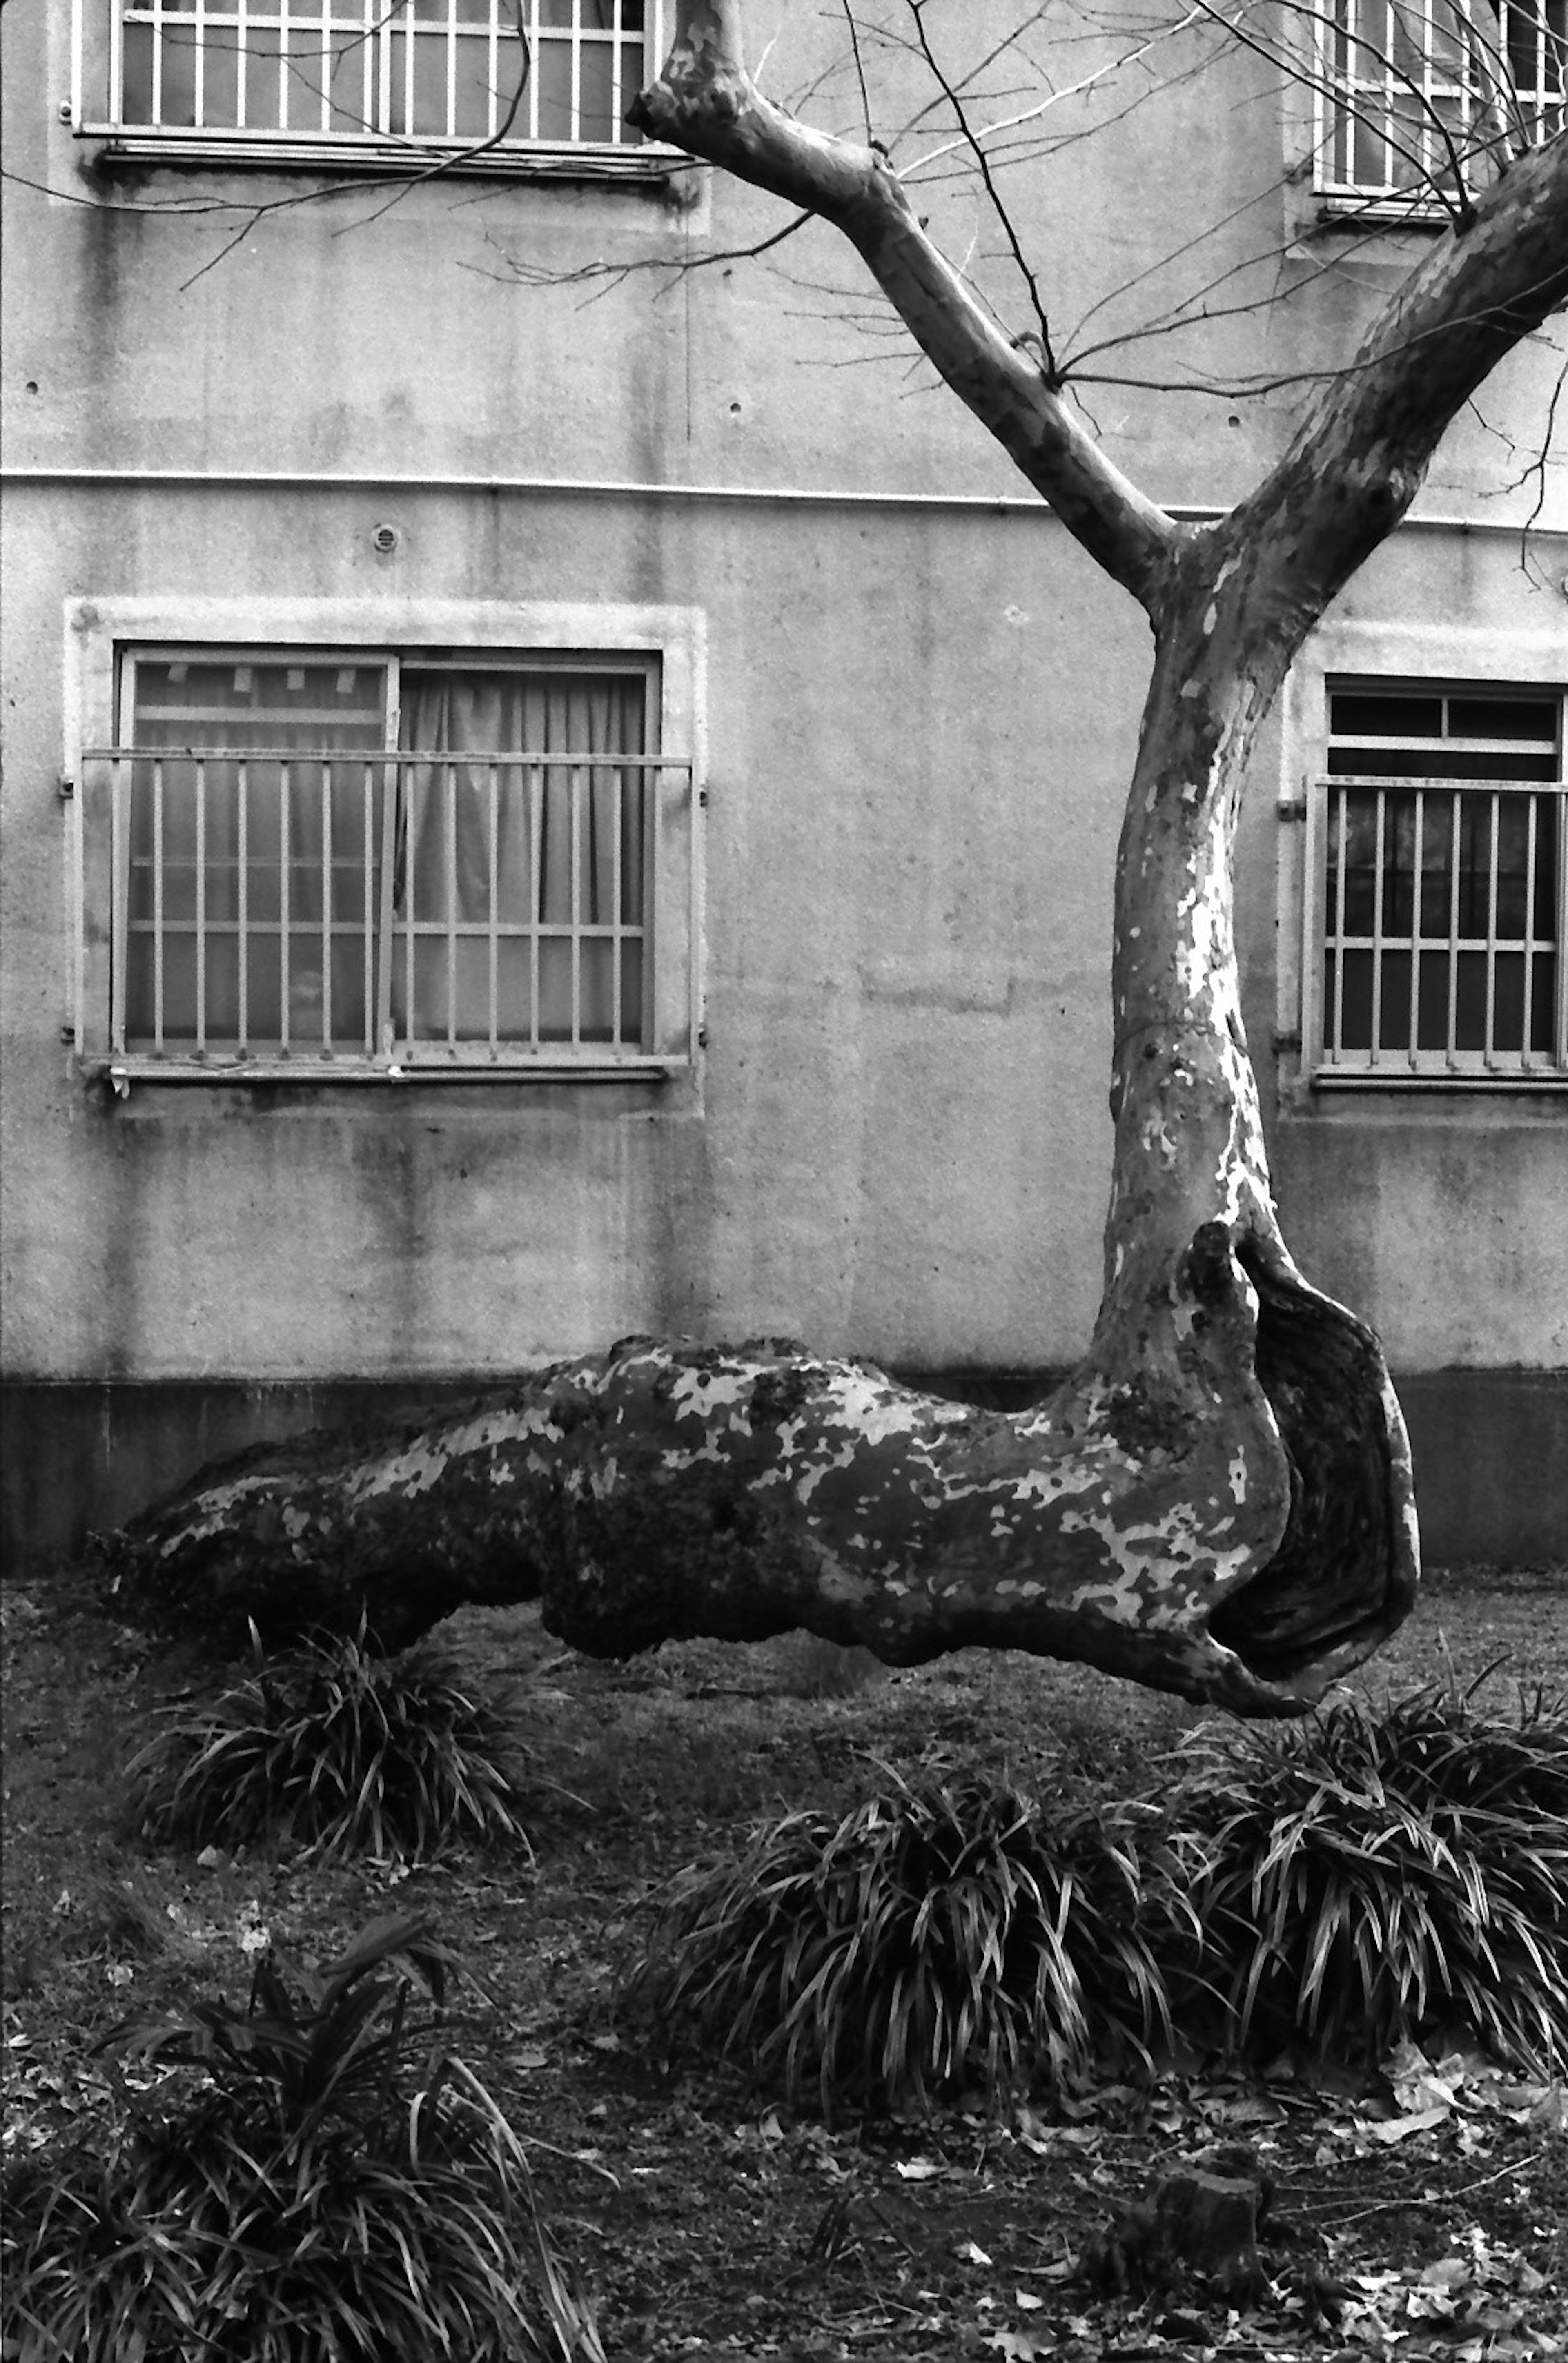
(1217, 1503)
(1219, 1500)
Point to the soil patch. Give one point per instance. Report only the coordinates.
(709, 2219)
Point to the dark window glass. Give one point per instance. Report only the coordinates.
(1360, 714)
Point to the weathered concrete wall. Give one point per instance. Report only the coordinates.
(917, 719)
(904, 995)
(1440, 1214)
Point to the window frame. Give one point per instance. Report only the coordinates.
(1428, 659)
(1371, 201)
(666, 643)
(97, 112)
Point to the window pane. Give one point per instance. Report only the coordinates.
(1431, 1023)
(1359, 823)
(1398, 864)
(237, 702)
(1543, 994)
(238, 842)
(219, 76)
(1394, 1014)
(1352, 973)
(552, 82)
(1503, 717)
(598, 116)
(1360, 714)
(1437, 864)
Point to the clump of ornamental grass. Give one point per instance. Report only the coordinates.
(1365, 1874)
(292, 2191)
(335, 1749)
(943, 1936)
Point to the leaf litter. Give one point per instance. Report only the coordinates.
(1421, 2210)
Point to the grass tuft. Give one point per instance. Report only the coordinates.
(336, 1749)
(1368, 1874)
(297, 2201)
(942, 1935)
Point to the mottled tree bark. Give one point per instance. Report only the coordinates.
(1219, 1500)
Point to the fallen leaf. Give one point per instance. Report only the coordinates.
(1418, 2087)
(1398, 2129)
(970, 2252)
(1447, 2270)
(1244, 2112)
(916, 2170)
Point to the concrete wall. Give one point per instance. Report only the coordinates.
(917, 711)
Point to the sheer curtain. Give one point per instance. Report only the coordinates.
(514, 870)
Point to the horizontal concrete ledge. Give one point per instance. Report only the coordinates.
(78, 1456)
(830, 496)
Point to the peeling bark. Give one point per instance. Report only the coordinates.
(659, 1492)
(1218, 1501)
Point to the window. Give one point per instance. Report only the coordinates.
(1438, 865)
(1409, 87)
(366, 81)
(327, 861)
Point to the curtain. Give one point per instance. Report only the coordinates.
(516, 872)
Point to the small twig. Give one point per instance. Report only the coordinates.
(860, 69)
(1047, 356)
(1430, 2205)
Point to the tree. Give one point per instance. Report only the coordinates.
(1219, 1500)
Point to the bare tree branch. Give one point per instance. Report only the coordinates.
(1358, 457)
(705, 102)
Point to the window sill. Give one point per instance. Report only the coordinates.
(1347, 211)
(649, 166)
(123, 1075)
(1381, 1079)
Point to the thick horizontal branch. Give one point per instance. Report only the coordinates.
(706, 102)
(1166, 1524)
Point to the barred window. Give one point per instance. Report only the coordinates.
(1407, 89)
(365, 80)
(1439, 865)
(324, 861)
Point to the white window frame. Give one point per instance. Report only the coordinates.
(100, 632)
(1400, 655)
(381, 61)
(1482, 107)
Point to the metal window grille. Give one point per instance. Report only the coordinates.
(278, 906)
(273, 74)
(1408, 88)
(1439, 838)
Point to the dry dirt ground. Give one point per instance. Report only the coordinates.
(709, 2219)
